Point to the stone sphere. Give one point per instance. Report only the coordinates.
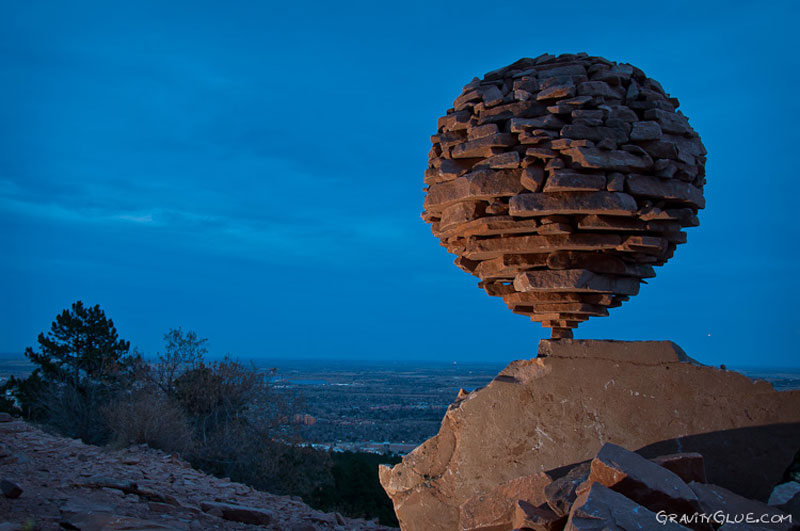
(561, 182)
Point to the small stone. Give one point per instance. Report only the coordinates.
(521, 109)
(533, 178)
(451, 169)
(159, 507)
(508, 265)
(541, 153)
(554, 164)
(607, 144)
(670, 122)
(526, 515)
(784, 492)
(454, 121)
(561, 494)
(559, 71)
(491, 225)
(645, 185)
(450, 139)
(567, 106)
(646, 131)
(522, 95)
(238, 513)
(595, 134)
(566, 90)
(559, 332)
(482, 184)
(610, 160)
(549, 121)
(569, 181)
(507, 160)
(615, 182)
(10, 489)
(483, 147)
(483, 131)
(497, 208)
(598, 88)
(460, 213)
(5, 417)
(556, 228)
(491, 95)
(467, 98)
(633, 91)
(619, 113)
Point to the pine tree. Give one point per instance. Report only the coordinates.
(81, 364)
(81, 348)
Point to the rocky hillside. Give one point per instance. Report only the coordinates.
(51, 482)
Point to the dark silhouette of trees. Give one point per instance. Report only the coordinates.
(82, 347)
(356, 490)
(183, 351)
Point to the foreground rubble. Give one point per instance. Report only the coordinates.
(59, 483)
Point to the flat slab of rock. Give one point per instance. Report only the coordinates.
(111, 522)
(545, 413)
(603, 508)
(737, 509)
(783, 493)
(575, 281)
(541, 204)
(642, 481)
(649, 352)
(238, 513)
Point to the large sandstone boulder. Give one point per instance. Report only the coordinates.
(543, 414)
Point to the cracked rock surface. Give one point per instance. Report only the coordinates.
(540, 415)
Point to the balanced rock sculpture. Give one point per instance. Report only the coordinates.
(561, 182)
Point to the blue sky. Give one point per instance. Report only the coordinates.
(253, 171)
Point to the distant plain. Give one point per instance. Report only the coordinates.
(382, 406)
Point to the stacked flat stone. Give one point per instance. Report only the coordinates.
(561, 181)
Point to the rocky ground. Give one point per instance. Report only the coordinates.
(66, 484)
